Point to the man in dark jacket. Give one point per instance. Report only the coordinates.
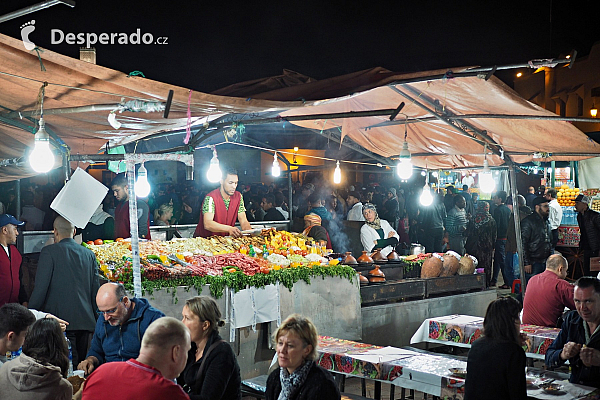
(268, 205)
(535, 234)
(589, 226)
(501, 216)
(120, 327)
(511, 237)
(579, 338)
(432, 221)
(66, 284)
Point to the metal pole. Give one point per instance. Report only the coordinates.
(290, 189)
(18, 198)
(34, 8)
(552, 174)
(513, 193)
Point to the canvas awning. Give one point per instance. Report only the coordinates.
(443, 131)
(437, 114)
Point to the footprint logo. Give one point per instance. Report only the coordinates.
(26, 29)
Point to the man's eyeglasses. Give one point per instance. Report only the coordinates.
(111, 311)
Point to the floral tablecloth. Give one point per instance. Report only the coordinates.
(427, 373)
(568, 236)
(462, 330)
(418, 370)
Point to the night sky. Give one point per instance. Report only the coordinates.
(215, 44)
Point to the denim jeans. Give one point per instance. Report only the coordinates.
(499, 263)
(536, 268)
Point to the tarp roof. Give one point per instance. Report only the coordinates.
(440, 131)
(433, 142)
(75, 83)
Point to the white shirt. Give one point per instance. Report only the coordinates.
(555, 214)
(355, 213)
(468, 180)
(368, 236)
(6, 250)
(285, 214)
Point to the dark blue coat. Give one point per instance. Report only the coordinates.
(122, 342)
(572, 331)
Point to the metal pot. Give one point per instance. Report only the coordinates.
(416, 249)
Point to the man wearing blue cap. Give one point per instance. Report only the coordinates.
(11, 287)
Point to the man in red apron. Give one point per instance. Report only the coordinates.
(120, 189)
(221, 208)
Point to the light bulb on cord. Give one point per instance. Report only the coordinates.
(41, 157)
(275, 171)
(486, 179)
(405, 167)
(337, 174)
(214, 171)
(142, 186)
(426, 197)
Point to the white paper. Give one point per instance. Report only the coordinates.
(254, 306)
(79, 198)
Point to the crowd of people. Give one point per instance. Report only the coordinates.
(138, 352)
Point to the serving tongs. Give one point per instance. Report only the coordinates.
(176, 260)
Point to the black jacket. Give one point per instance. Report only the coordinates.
(432, 217)
(572, 331)
(220, 379)
(273, 215)
(501, 215)
(589, 224)
(535, 234)
(495, 371)
(319, 384)
(66, 284)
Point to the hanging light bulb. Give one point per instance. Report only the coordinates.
(486, 179)
(426, 197)
(404, 168)
(41, 157)
(214, 171)
(275, 171)
(435, 174)
(337, 174)
(142, 186)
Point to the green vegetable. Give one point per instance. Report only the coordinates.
(239, 281)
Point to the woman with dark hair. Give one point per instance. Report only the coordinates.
(496, 361)
(299, 377)
(212, 371)
(40, 371)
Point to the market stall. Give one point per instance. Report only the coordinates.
(256, 280)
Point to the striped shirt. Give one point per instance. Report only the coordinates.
(456, 220)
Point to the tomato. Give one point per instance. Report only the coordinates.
(98, 241)
(304, 252)
(89, 242)
(119, 240)
(231, 270)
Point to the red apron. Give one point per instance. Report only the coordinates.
(9, 275)
(222, 214)
(122, 221)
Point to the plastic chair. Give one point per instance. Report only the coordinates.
(514, 286)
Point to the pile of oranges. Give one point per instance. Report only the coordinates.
(566, 196)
